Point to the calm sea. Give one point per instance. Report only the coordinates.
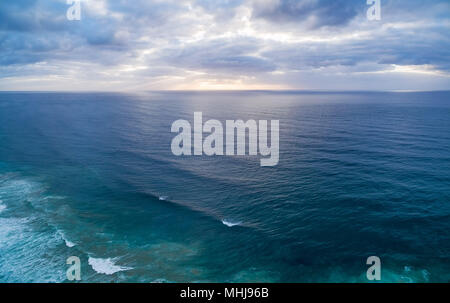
(92, 175)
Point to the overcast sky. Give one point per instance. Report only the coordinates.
(219, 44)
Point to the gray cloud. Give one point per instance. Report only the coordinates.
(316, 13)
(169, 43)
(232, 55)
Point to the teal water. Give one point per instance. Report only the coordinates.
(92, 175)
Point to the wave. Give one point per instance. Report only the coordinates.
(199, 210)
(106, 266)
(203, 211)
(27, 236)
(24, 253)
(68, 243)
(231, 223)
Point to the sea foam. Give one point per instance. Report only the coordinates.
(68, 243)
(106, 266)
(230, 223)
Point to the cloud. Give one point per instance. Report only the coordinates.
(235, 56)
(314, 13)
(124, 44)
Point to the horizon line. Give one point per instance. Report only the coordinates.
(230, 90)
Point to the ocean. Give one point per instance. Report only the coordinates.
(92, 175)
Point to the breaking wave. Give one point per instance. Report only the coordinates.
(106, 266)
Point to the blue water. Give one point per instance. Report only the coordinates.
(92, 175)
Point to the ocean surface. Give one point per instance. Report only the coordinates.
(92, 175)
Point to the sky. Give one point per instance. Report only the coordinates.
(137, 45)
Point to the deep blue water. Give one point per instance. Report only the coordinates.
(92, 175)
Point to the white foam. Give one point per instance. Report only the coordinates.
(163, 198)
(106, 266)
(68, 243)
(230, 223)
(22, 249)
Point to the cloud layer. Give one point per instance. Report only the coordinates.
(234, 44)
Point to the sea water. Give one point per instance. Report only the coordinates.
(92, 175)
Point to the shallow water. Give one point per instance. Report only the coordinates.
(93, 176)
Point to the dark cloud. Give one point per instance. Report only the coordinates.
(317, 13)
(32, 16)
(389, 48)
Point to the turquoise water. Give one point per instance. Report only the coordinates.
(92, 175)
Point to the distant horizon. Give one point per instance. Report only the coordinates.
(230, 90)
